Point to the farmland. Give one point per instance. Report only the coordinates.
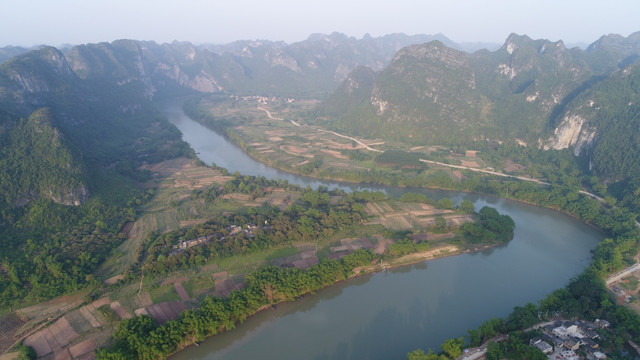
(76, 325)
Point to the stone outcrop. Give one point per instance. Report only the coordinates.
(573, 131)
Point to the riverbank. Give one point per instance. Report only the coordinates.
(505, 263)
(359, 272)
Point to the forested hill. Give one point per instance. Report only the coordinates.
(37, 160)
(69, 153)
(310, 68)
(535, 92)
(75, 127)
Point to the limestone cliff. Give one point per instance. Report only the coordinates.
(573, 131)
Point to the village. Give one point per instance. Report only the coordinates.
(232, 229)
(564, 339)
(560, 340)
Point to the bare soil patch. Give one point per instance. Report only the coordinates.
(341, 146)
(82, 348)
(458, 175)
(52, 339)
(510, 166)
(181, 291)
(114, 279)
(88, 315)
(9, 356)
(458, 219)
(9, 326)
(382, 245)
(471, 164)
(426, 255)
(79, 323)
(296, 151)
(127, 227)
(236, 196)
(223, 286)
(100, 302)
(141, 311)
(275, 132)
(120, 311)
(374, 209)
(39, 344)
(63, 332)
(335, 154)
(145, 298)
(52, 307)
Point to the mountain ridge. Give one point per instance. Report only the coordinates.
(534, 76)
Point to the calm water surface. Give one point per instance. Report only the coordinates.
(386, 315)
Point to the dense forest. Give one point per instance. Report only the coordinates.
(70, 173)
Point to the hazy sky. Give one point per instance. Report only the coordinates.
(55, 22)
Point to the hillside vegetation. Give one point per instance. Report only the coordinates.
(532, 92)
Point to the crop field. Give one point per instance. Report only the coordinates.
(163, 297)
(169, 209)
(198, 286)
(9, 325)
(39, 313)
(163, 294)
(396, 215)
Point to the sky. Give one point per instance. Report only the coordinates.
(57, 22)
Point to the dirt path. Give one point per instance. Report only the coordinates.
(486, 172)
(275, 118)
(328, 131)
(352, 139)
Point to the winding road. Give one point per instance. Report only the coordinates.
(523, 178)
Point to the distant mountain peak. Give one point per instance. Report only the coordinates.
(316, 36)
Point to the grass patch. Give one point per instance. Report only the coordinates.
(243, 264)
(164, 294)
(198, 285)
(282, 252)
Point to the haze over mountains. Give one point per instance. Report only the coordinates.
(415, 88)
(534, 92)
(76, 126)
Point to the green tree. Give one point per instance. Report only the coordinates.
(453, 347)
(466, 206)
(444, 203)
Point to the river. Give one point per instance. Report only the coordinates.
(386, 315)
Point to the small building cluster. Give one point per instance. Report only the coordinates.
(233, 230)
(262, 99)
(193, 242)
(566, 337)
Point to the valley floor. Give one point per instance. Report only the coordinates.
(72, 327)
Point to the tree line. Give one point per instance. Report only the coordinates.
(142, 338)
